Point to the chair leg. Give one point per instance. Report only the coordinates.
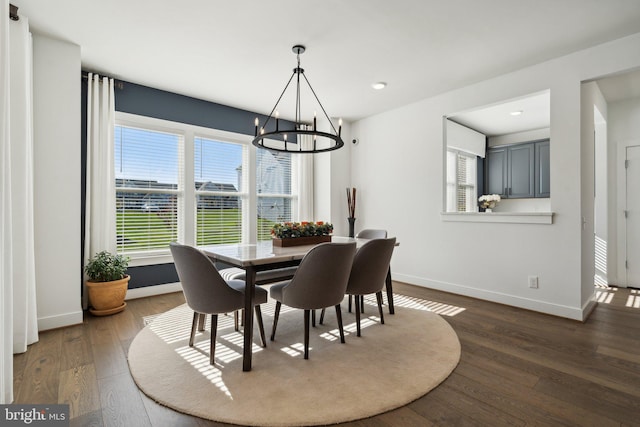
(306, 334)
(214, 331)
(361, 303)
(389, 286)
(236, 322)
(379, 298)
(339, 316)
(260, 325)
(194, 326)
(349, 303)
(321, 316)
(357, 303)
(201, 322)
(276, 314)
(313, 318)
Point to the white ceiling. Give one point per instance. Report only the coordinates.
(493, 120)
(238, 53)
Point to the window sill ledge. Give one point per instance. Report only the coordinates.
(502, 217)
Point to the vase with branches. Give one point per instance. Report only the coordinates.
(351, 205)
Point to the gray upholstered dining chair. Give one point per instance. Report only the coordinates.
(206, 292)
(368, 273)
(368, 233)
(371, 233)
(319, 282)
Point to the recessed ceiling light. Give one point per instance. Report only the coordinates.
(379, 85)
(516, 113)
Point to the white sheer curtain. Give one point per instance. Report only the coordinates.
(100, 209)
(17, 263)
(6, 296)
(305, 181)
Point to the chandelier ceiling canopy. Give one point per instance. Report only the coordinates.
(272, 136)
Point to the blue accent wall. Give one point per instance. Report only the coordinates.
(150, 102)
(146, 101)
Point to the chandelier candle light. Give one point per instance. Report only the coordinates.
(322, 141)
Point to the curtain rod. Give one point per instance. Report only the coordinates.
(117, 84)
(13, 12)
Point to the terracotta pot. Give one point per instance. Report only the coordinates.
(107, 297)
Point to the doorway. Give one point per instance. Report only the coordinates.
(632, 215)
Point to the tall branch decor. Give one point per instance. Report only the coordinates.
(351, 205)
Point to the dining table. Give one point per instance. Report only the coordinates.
(263, 256)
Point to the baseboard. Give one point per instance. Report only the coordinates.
(149, 291)
(588, 308)
(574, 313)
(60, 321)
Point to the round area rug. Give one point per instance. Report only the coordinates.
(388, 367)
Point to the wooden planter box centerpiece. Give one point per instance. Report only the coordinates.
(301, 233)
(299, 241)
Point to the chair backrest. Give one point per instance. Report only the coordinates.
(321, 278)
(370, 233)
(370, 266)
(204, 289)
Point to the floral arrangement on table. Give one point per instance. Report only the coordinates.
(488, 201)
(286, 230)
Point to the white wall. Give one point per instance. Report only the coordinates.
(56, 93)
(399, 161)
(623, 121)
(331, 178)
(591, 100)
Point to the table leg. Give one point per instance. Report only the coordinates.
(249, 294)
(389, 292)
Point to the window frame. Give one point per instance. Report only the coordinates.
(187, 198)
(472, 206)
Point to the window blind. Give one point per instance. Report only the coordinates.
(219, 189)
(274, 190)
(147, 175)
(461, 182)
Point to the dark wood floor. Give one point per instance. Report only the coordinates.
(517, 368)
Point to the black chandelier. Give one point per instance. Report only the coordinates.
(322, 141)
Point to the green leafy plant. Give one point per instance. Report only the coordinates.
(301, 229)
(106, 267)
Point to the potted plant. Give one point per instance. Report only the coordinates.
(107, 284)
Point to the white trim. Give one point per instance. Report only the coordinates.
(60, 320)
(499, 217)
(149, 291)
(621, 206)
(574, 313)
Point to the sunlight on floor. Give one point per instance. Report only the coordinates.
(605, 295)
(199, 359)
(633, 300)
(421, 304)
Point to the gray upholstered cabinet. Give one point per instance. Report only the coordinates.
(518, 171)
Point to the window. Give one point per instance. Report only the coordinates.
(461, 182)
(219, 189)
(147, 173)
(274, 190)
(179, 182)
